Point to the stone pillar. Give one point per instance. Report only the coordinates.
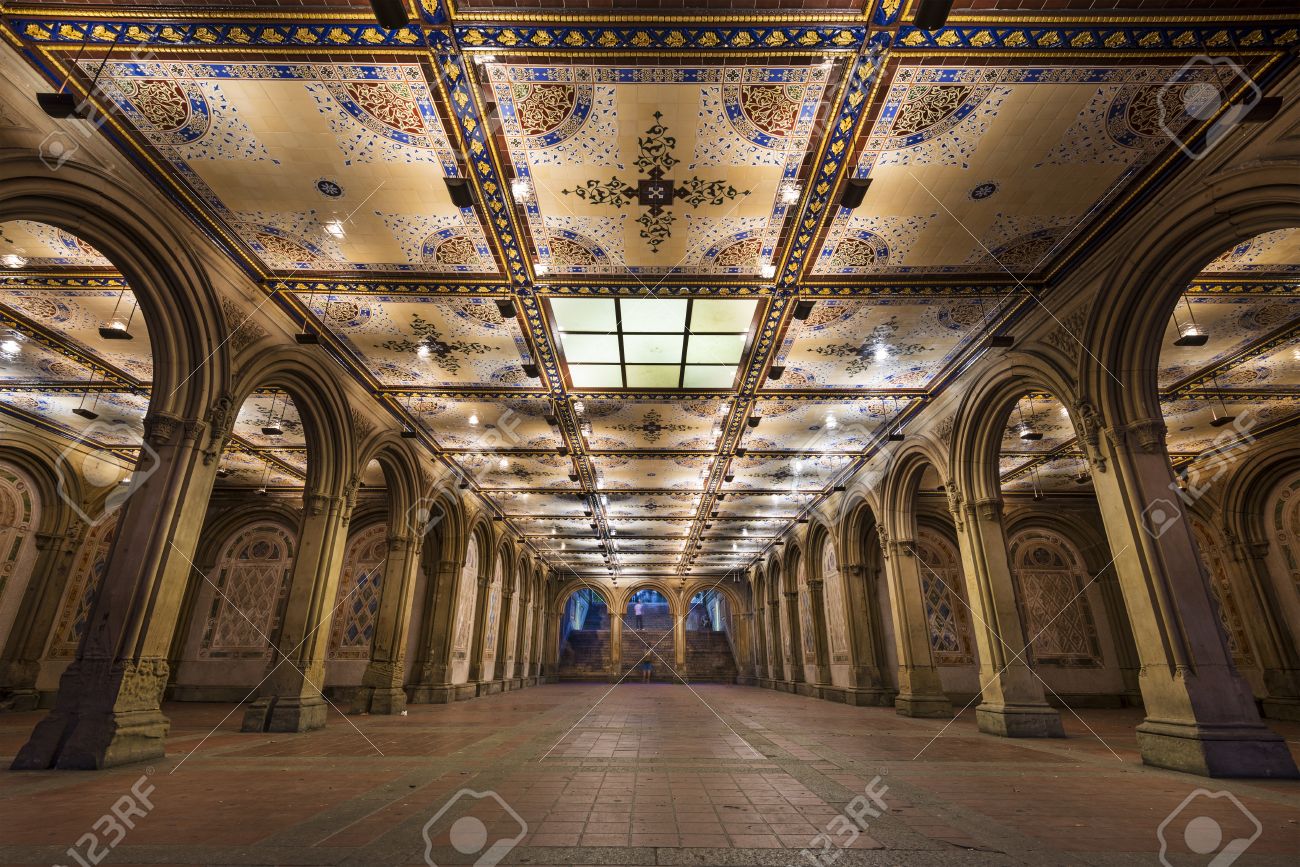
(615, 670)
(20, 659)
(743, 642)
(867, 685)
(794, 638)
(760, 641)
(108, 710)
(382, 684)
(433, 682)
(920, 690)
(504, 670)
(290, 699)
(1273, 637)
(821, 640)
(478, 645)
(1012, 700)
(679, 640)
(1200, 713)
(776, 661)
(520, 668)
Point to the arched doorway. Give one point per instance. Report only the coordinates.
(711, 637)
(584, 635)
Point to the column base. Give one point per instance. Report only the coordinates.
(285, 714)
(867, 696)
(1281, 708)
(22, 699)
(1211, 751)
(1019, 721)
(443, 693)
(923, 706)
(488, 687)
(93, 742)
(379, 700)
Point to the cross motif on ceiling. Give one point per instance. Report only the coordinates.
(656, 192)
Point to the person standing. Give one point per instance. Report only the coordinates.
(639, 611)
(647, 667)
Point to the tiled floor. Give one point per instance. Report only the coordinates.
(645, 774)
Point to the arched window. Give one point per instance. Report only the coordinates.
(466, 589)
(1050, 580)
(357, 605)
(837, 624)
(19, 514)
(943, 589)
(1229, 614)
(252, 581)
(87, 571)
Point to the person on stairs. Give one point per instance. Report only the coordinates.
(639, 611)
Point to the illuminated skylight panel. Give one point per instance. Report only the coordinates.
(653, 343)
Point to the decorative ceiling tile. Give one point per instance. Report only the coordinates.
(314, 166)
(651, 169)
(986, 169)
(409, 341)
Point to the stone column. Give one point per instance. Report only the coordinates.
(867, 684)
(433, 682)
(920, 690)
(382, 684)
(504, 669)
(20, 659)
(1273, 637)
(478, 645)
(290, 699)
(760, 641)
(521, 635)
(776, 664)
(679, 640)
(108, 710)
(1012, 700)
(794, 637)
(1201, 715)
(615, 670)
(821, 640)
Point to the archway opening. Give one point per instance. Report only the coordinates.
(1070, 608)
(584, 635)
(78, 373)
(711, 639)
(1226, 381)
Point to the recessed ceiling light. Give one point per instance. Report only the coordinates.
(335, 229)
(13, 260)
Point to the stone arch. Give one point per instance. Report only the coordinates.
(903, 485)
(981, 419)
(401, 469)
(676, 605)
(38, 461)
(1143, 286)
(181, 307)
(332, 469)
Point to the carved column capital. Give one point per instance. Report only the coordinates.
(988, 508)
(1145, 435)
(161, 428)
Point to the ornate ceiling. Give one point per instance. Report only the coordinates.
(604, 343)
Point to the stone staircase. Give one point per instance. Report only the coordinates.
(635, 643)
(585, 655)
(709, 657)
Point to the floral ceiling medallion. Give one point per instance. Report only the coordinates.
(656, 192)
